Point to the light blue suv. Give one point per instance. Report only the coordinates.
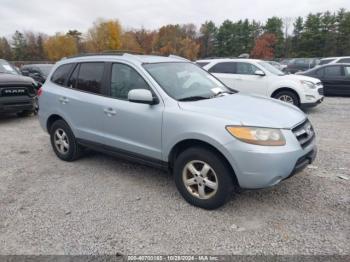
(169, 113)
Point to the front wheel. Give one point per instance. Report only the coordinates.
(203, 178)
(287, 97)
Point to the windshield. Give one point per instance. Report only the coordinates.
(45, 69)
(7, 68)
(271, 68)
(183, 80)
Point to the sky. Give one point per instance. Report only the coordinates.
(51, 16)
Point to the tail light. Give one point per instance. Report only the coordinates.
(40, 91)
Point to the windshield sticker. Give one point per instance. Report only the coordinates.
(216, 90)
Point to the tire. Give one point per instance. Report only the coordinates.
(288, 97)
(25, 113)
(66, 148)
(219, 172)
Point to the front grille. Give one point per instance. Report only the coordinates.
(321, 91)
(304, 133)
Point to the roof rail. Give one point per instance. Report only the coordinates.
(179, 57)
(106, 52)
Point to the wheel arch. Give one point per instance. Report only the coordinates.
(286, 89)
(182, 145)
(52, 119)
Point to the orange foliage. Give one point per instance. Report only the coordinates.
(264, 47)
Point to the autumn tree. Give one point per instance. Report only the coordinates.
(264, 47)
(274, 26)
(104, 35)
(78, 37)
(146, 40)
(130, 43)
(5, 49)
(59, 46)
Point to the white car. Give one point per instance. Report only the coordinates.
(334, 60)
(258, 77)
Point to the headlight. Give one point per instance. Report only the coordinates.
(258, 135)
(308, 84)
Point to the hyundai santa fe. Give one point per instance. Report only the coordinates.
(170, 113)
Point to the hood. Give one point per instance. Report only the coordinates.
(240, 109)
(10, 79)
(302, 77)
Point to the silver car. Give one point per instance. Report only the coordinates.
(170, 113)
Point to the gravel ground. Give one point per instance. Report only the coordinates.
(103, 205)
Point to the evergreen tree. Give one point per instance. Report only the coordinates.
(274, 26)
(19, 44)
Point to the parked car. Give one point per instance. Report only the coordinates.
(301, 64)
(17, 92)
(38, 72)
(169, 113)
(335, 78)
(258, 77)
(277, 65)
(335, 60)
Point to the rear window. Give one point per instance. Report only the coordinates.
(224, 68)
(326, 61)
(344, 60)
(61, 74)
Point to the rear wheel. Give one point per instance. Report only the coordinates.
(63, 141)
(203, 178)
(287, 97)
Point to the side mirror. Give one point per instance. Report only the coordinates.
(259, 73)
(142, 96)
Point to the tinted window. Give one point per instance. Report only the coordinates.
(326, 61)
(320, 72)
(333, 71)
(224, 68)
(344, 60)
(90, 77)
(124, 78)
(246, 69)
(72, 82)
(61, 74)
(201, 64)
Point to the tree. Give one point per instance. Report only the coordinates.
(343, 37)
(129, 42)
(274, 26)
(311, 41)
(5, 49)
(78, 39)
(146, 40)
(298, 29)
(59, 46)
(104, 35)
(264, 47)
(207, 39)
(19, 45)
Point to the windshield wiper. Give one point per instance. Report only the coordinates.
(223, 92)
(193, 98)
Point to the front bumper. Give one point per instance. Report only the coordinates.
(313, 104)
(16, 104)
(261, 166)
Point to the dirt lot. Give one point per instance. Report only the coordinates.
(103, 205)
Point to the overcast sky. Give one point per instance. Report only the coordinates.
(50, 16)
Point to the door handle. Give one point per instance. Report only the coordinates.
(109, 111)
(63, 100)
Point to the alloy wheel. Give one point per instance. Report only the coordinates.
(287, 99)
(61, 141)
(200, 179)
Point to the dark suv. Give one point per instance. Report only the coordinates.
(301, 64)
(17, 93)
(38, 72)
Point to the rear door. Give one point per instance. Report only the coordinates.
(225, 71)
(333, 79)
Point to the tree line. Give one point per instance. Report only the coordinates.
(317, 35)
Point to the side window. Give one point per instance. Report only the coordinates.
(246, 69)
(224, 68)
(333, 71)
(61, 74)
(202, 64)
(90, 77)
(72, 82)
(123, 79)
(320, 72)
(344, 60)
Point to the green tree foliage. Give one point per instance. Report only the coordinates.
(274, 25)
(19, 46)
(207, 39)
